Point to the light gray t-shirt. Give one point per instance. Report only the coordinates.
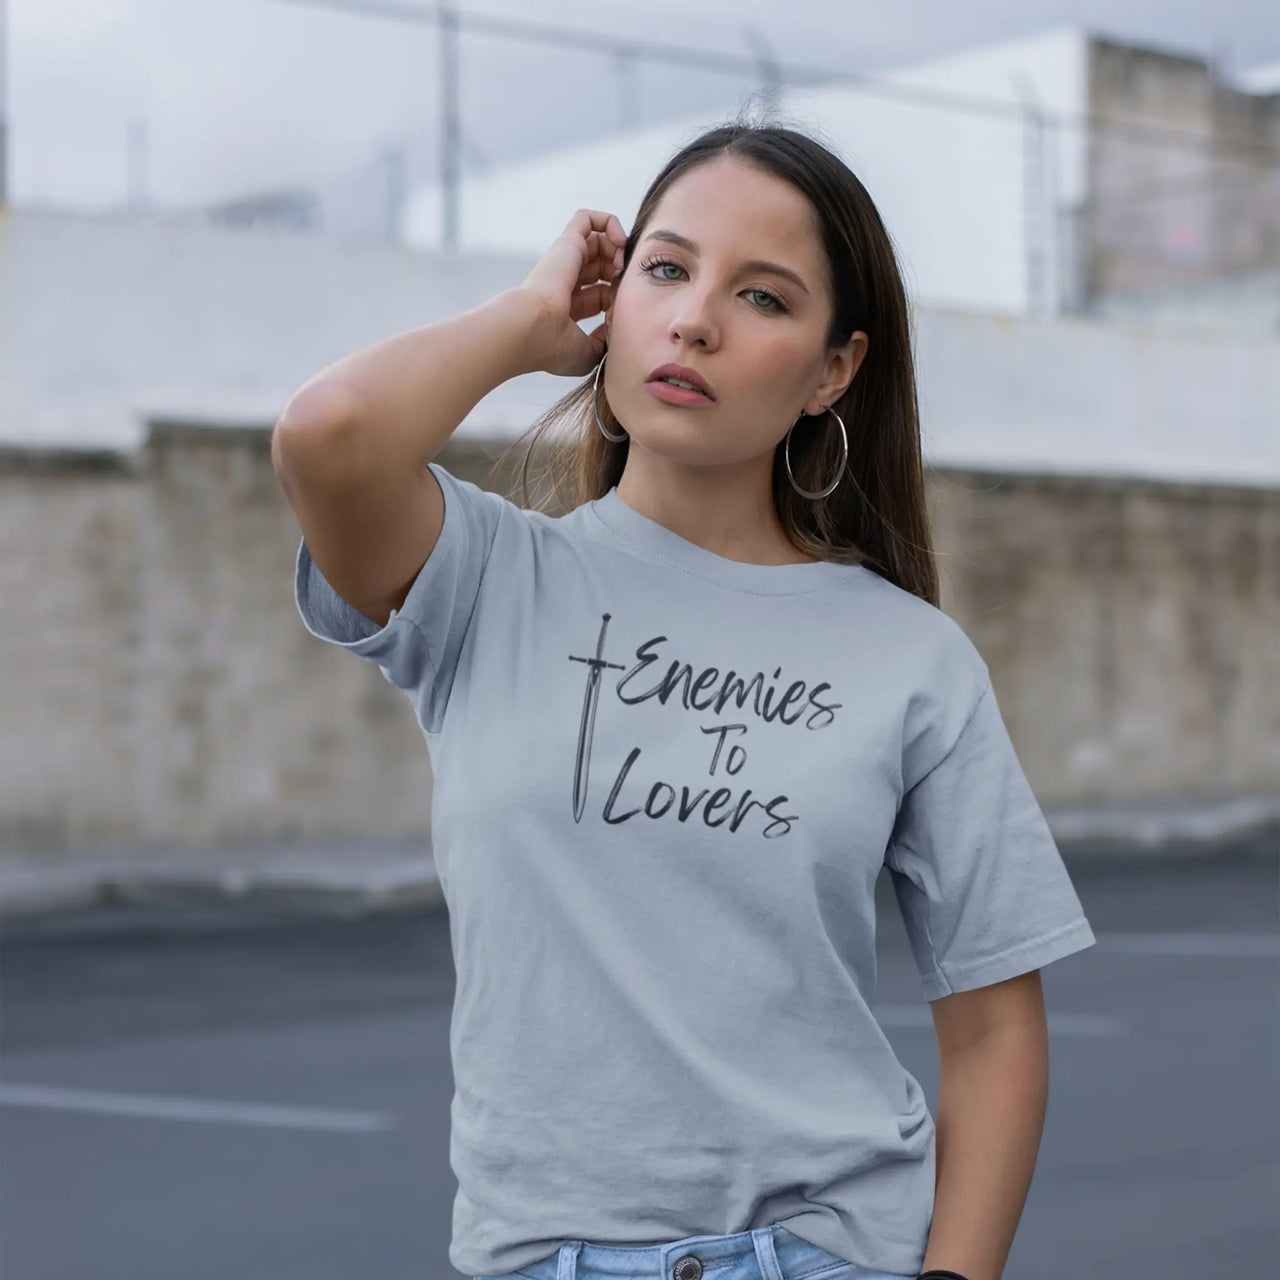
(665, 783)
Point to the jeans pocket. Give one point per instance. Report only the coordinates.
(814, 1261)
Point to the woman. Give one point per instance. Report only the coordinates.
(677, 733)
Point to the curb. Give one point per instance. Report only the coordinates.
(1146, 830)
(281, 882)
(357, 878)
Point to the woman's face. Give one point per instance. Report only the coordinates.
(755, 335)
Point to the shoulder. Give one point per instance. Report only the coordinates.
(489, 505)
(925, 657)
(479, 518)
(929, 642)
(468, 495)
(505, 542)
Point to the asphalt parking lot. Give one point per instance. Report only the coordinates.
(228, 1091)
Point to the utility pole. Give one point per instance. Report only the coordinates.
(450, 127)
(4, 103)
(770, 68)
(1038, 221)
(137, 164)
(396, 162)
(628, 89)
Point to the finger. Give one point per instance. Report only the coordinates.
(603, 246)
(591, 269)
(610, 259)
(587, 220)
(589, 301)
(609, 263)
(598, 264)
(605, 228)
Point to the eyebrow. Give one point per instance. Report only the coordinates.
(756, 264)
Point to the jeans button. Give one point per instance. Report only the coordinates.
(686, 1268)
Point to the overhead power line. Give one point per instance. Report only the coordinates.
(628, 51)
(792, 72)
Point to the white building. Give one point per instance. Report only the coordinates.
(114, 322)
(998, 197)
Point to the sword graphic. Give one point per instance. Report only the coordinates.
(586, 729)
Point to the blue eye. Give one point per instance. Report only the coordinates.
(650, 265)
(653, 264)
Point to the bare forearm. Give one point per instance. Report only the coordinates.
(991, 1108)
(395, 403)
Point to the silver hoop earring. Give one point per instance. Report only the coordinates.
(786, 453)
(595, 404)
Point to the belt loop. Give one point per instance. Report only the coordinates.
(766, 1254)
(567, 1263)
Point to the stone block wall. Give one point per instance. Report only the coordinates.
(159, 688)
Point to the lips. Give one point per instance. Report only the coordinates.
(685, 374)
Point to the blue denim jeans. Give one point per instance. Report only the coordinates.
(767, 1253)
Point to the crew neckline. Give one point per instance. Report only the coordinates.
(655, 541)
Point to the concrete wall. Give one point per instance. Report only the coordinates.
(156, 684)
(1130, 629)
(159, 688)
(1184, 173)
(108, 323)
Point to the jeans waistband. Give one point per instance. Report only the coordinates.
(781, 1254)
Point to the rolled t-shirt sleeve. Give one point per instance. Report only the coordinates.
(982, 887)
(418, 648)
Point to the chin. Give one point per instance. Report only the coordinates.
(677, 438)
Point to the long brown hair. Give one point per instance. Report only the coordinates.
(877, 514)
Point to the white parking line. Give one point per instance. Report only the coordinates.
(1226, 946)
(198, 1109)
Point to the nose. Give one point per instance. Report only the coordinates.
(694, 321)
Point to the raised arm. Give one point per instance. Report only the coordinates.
(351, 447)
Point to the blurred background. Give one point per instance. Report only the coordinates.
(226, 975)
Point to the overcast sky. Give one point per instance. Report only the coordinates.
(235, 96)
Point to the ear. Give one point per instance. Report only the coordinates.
(841, 367)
